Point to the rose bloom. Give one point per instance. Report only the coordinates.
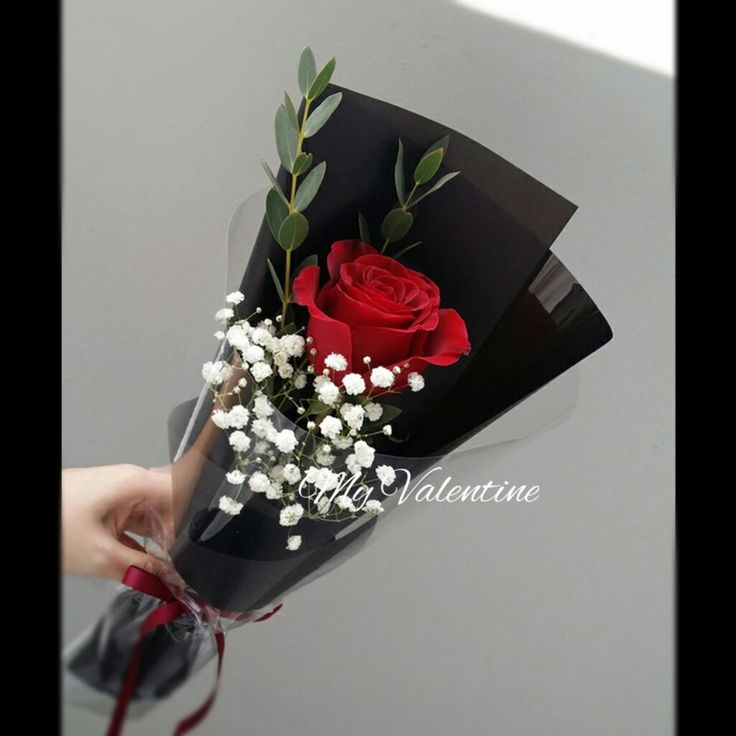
(373, 305)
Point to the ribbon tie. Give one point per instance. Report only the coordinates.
(169, 610)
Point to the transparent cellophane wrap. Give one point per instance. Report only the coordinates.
(230, 570)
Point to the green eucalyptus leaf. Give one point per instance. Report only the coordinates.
(437, 185)
(322, 114)
(293, 231)
(308, 261)
(307, 70)
(399, 179)
(321, 80)
(442, 143)
(310, 186)
(276, 282)
(302, 163)
(286, 138)
(390, 412)
(275, 183)
(406, 249)
(363, 232)
(428, 166)
(289, 105)
(276, 212)
(396, 224)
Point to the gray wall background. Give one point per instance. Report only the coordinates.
(555, 618)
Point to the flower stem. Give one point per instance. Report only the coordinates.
(292, 197)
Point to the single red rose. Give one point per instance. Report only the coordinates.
(373, 305)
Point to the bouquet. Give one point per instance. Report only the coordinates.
(399, 297)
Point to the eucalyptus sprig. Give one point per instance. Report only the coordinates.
(399, 220)
(285, 217)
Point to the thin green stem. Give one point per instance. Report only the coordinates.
(292, 197)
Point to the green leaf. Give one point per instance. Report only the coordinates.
(390, 412)
(442, 143)
(406, 249)
(399, 180)
(316, 407)
(322, 114)
(276, 282)
(307, 70)
(309, 187)
(285, 138)
(363, 232)
(437, 185)
(276, 212)
(308, 261)
(275, 183)
(289, 105)
(428, 165)
(396, 224)
(302, 163)
(321, 80)
(293, 231)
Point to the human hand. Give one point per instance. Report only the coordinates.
(99, 505)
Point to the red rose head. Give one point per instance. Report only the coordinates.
(375, 306)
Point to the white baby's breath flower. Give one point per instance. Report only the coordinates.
(236, 477)
(229, 505)
(253, 353)
(291, 473)
(386, 474)
(352, 464)
(373, 411)
(373, 507)
(323, 479)
(237, 337)
(263, 428)
(293, 542)
(345, 503)
(276, 473)
(324, 457)
(387, 430)
(286, 370)
(223, 315)
(343, 442)
(220, 419)
(336, 361)
(354, 384)
(292, 345)
(286, 440)
(261, 336)
(328, 392)
(274, 492)
(243, 382)
(290, 515)
(353, 415)
(238, 417)
(219, 335)
(364, 453)
(261, 447)
(258, 482)
(239, 441)
(261, 371)
(330, 427)
(416, 381)
(262, 407)
(215, 373)
(323, 503)
(300, 380)
(382, 377)
(234, 297)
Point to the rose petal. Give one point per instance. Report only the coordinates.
(346, 251)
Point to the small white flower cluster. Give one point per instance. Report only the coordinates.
(299, 468)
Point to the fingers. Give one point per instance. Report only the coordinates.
(121, 555)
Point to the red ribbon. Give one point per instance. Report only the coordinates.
(170, 610)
